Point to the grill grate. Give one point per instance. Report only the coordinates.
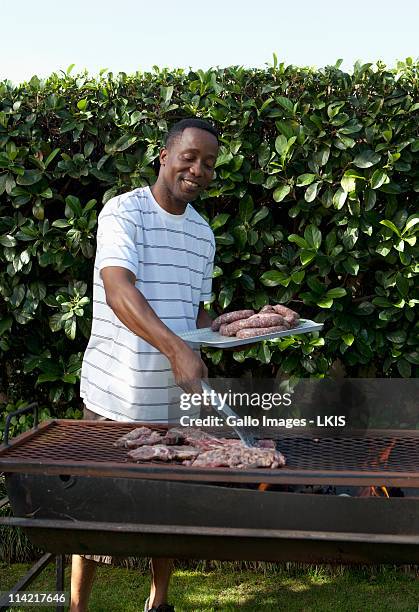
(386, 457)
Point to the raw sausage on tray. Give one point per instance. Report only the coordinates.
(259, 320)
(289, 315)
(229, 317)
(249, 332)
(246, 324)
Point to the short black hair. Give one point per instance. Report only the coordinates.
(192, 122)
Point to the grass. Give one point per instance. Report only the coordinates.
(297, 589)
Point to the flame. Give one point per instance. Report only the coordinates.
(264, 486)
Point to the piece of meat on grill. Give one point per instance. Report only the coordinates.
(148, 440)
(240, 457)
(132, 435)
(161, 452)
(158, 452)
(184, 453)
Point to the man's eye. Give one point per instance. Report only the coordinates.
(188, 157)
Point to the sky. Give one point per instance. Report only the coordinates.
(129, 35)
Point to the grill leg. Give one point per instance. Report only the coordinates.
(59, 578)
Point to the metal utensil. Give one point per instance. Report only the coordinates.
(245, 436)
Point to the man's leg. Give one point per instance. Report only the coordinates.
(82, 576)
(161, 570)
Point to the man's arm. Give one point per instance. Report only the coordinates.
(132, 308)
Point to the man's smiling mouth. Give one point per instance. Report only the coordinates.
(191, 184)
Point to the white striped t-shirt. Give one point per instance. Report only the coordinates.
(123, 377)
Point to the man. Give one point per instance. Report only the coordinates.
(153, 271)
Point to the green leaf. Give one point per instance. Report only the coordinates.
(55, 322)
(305, 179)
(404, 368)
(298, 277)
(411, 222)
(402, 284)
(311, 191)
(298, 240)
(259, 215)
(240, 235)
(223, 158)
(321, 157)
(281, 144)
(281, 192)
(51, 157)
(325, 302)
(123, 143)
(166, 93)
(224, 239)
(219, 221)
(348, 183)
(82, 104)
(225, 297)
(379, 178)
(5, 324)
(370, 198)
(29, 177)
(348, 339)
(88, 148)
(246, 208)
(398, 336)
(285, 103)
(366, 159)
(413, 357)
(272, 278)
(74, 205)
(337, 292)
(339, 198)
(306, 256)
(61, 223)
(365, 308)
(8, 241)
(391, 226)
(313, 236)
(351, 265)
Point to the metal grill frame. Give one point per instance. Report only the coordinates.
(21, 456)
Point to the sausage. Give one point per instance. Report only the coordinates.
(229, 317)
(257, 320)
(289, 315)
(249, 332)
(267, 308)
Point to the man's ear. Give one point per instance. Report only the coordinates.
(163, 156)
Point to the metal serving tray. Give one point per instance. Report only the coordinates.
(206, 337)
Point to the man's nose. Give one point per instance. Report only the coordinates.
(196, 168)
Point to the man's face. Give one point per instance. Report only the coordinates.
(187, 166)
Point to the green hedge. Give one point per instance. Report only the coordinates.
(314, 205)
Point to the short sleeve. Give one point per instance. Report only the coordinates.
(207, 279)
(116, 240)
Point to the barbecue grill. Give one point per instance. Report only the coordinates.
(73, 491)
